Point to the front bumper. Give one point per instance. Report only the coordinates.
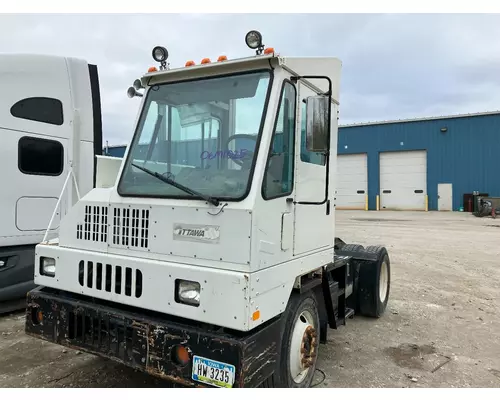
(146, 342)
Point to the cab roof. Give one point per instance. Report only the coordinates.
(297, 66)
(211, 68)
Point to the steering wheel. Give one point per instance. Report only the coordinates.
(244, 161)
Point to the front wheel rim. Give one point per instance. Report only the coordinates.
(303, 347)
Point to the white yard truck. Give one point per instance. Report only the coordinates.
(50, 122)
(213, 259)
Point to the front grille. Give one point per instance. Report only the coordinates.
(110, 278)
(108, 334)
(131, 227)
(95, 226)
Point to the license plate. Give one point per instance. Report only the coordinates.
(213, 372)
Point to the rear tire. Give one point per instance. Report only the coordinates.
(374, 283)
(300, 330)
(352, 247)
(352, 300)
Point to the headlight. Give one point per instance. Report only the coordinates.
(188, 292)
(48, 266)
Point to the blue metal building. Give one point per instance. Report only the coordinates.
(114, 151)
(461, 150)
(419, 164)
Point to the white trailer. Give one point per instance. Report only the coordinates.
(213, 259)
(50, 122)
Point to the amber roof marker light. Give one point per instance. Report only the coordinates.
(160, 55)
(253, 39)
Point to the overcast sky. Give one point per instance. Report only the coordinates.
(394, 66)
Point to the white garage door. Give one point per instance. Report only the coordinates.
(352, 182)
(403, 180)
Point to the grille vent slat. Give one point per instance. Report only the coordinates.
(130, 226)
(125, 281)
(94, 226)
(103, 332)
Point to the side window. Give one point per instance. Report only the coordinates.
(278, 177)
(305, 155)
(40, 156)
(40, 109)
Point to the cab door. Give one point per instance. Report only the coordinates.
(33, 158)
(34, 171)
(314, 225)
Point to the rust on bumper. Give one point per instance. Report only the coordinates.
(145, 342)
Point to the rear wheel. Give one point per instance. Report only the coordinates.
(352, 247)
(374, 283)
(300, 343)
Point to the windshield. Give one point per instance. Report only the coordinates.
(201, 134)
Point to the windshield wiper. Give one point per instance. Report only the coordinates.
(162, 178)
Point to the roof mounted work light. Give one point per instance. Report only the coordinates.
(253, 39)
(160, 54)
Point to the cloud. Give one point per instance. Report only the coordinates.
(394, 66)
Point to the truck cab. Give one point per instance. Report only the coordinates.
(213, 260)
(50, 122)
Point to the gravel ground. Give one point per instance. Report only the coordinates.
(441, 328)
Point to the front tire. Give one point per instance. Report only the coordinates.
(300, 343)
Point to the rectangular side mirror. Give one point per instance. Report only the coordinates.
(317, 123)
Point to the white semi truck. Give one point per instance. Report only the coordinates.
(212, 260)
(50, 122)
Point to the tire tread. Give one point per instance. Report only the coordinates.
(368, 298)
(352, 247)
